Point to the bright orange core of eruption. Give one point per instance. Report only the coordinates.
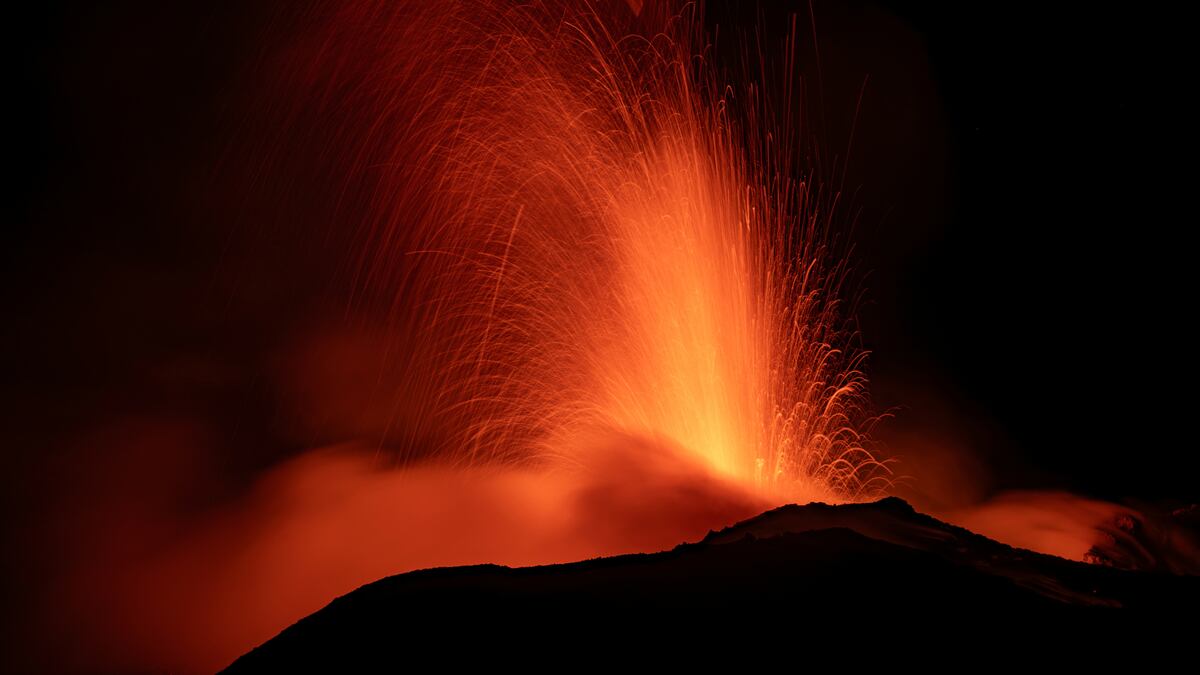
(604, 248)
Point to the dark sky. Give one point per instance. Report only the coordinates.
(1025, 218)
(1022, 174)
(1051, 294)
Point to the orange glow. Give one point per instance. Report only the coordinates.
(192, 597)
(1057, 523)
(604, 239)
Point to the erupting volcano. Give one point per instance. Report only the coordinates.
(503, 303)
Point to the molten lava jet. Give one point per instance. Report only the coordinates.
(593, 233)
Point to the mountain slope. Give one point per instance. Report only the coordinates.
(794, 573)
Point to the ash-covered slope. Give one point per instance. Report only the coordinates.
(793, 573)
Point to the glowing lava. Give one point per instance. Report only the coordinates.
(594, 237)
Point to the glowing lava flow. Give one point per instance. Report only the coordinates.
(595, 240)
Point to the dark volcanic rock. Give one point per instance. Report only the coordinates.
(792, 574)
(1151, 539)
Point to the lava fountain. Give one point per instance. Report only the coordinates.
(595, 237)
